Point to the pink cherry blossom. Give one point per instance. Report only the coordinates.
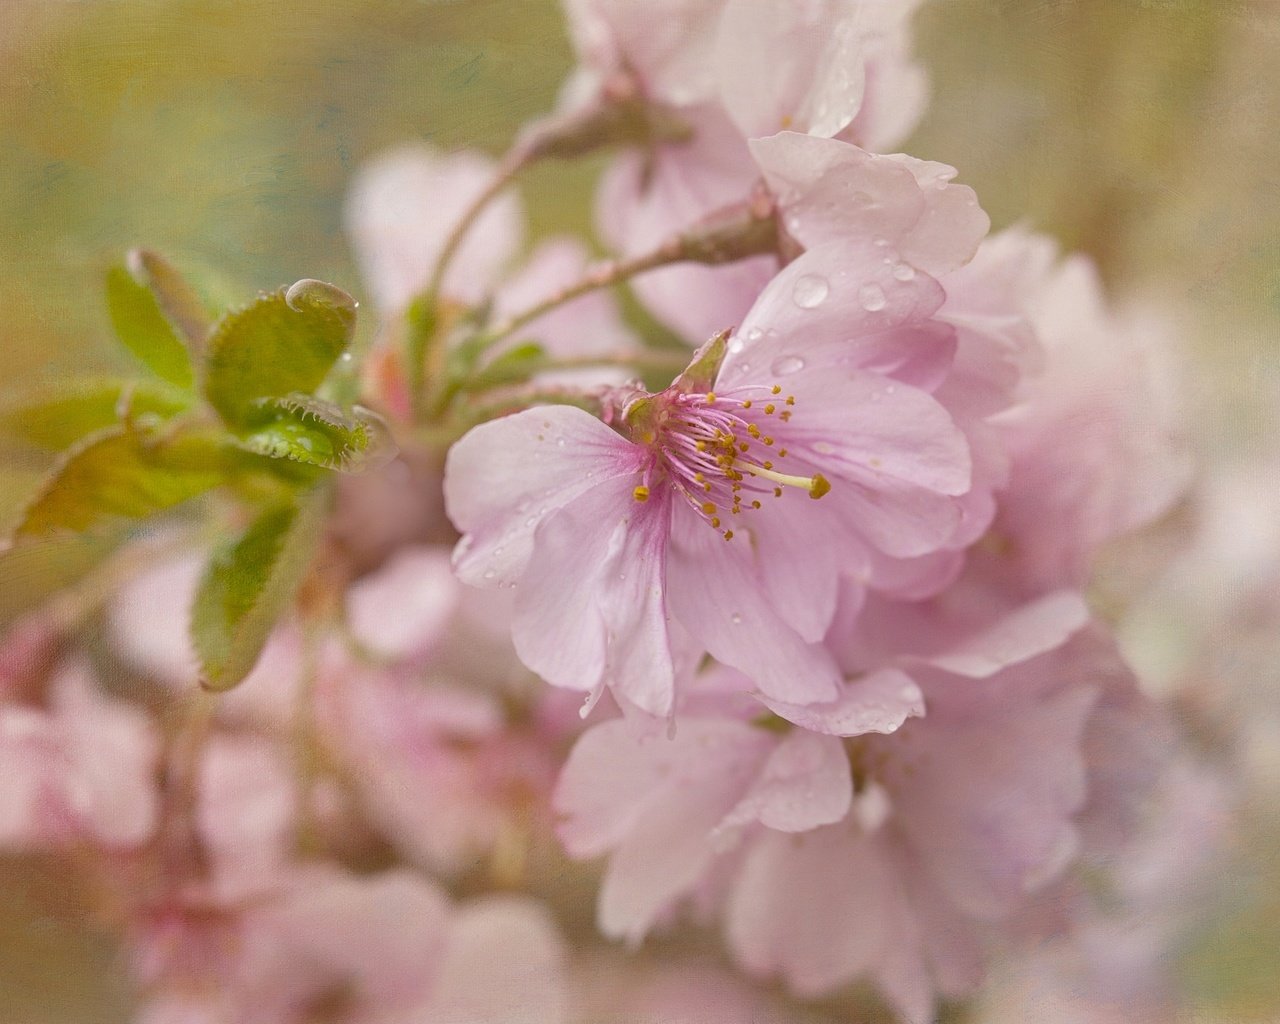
(81, 769)
(609, 533)
(435, 767)
(1107, 383)
(952, 823)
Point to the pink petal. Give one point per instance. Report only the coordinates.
(1033, 629)
(716, 593)
(246, 815)
(504, 962)
(503, 478)
(805, 783)
(402, 609)
(860, 426)
(835, 304)
(830, 191)
(878, 702)
(990, 810)
(810, 908)
(598, 568)
(113, 750)
(401, 209)
(790, 64)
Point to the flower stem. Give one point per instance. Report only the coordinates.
(738, 233)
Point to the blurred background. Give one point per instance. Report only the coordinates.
(1145, 132)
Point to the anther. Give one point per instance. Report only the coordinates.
(641, 493)
(769, 409)
(777, 390)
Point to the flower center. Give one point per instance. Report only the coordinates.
(719, 451)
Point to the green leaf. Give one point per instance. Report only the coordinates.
(141, 325)
(247, 584)
(61, 416)
(312, 431)
(121, 473)
(33, 571)
(282, 344)
(176, 297)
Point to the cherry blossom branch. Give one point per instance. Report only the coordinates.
(735, 234)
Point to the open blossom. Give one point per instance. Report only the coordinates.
(823, 66)
(698, 506)
(895, 858)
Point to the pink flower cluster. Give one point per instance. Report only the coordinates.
(820, 594)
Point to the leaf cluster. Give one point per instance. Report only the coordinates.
(235, 405)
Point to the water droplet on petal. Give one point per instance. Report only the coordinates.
(754, 334)
(784, 365)
(904, 272)
(490, 573)
(346, 357)
(736, 619)
(736, 345)
(810, 291)
(881, 243)
(559, 442)
(872, 297)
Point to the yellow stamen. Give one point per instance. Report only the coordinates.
(641, 493)
(817, 485)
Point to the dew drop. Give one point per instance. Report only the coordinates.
(737, 345)
(810, 291)
(531, 521)
(490, 573)
(786, 365)
(559, 442)
(736, 619)
(346, 357)
(881, 243)
(872, 297)
(754, 334)
(904, 272)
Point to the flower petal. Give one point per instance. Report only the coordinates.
(878, 702)
(591, 606)
(1033, 629)
(506, 476)
(805, 783)
(716, 593)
